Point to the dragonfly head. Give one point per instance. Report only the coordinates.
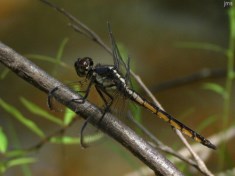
(83, 66)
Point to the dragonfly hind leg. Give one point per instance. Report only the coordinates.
(107, 103)
(82, 143)
(101, 92)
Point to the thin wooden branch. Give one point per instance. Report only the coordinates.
(108, 124)
(159, 145)
(78, 26)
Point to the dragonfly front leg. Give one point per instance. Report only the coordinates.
(50, 96)
(82, 100)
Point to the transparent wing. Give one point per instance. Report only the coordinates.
(122, 67)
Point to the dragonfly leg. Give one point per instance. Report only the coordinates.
(107, 107)
(82, 100)
(50, 96)
(107, 103)
(82, 143)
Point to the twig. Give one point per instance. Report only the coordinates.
(79, 26)
(198, 160)
(202, 74)
(203, 152)
(109, 124)
(162, 146)
(49, 137)
(216, 139)
(227, 172)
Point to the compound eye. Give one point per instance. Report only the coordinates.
(83, 65)
(88, 62)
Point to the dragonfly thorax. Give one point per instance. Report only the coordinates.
(109, 78)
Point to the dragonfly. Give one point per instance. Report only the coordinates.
(109, 78)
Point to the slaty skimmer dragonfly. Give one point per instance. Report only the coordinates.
(108, 78)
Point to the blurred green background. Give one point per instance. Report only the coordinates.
(149, 31)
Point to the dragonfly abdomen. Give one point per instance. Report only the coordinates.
(168, 118)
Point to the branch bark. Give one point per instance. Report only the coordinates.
(109, 124)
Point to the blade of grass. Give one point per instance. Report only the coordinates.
(15, 162)
(2, 168)
(26, 122)
(228, 84)
(20, 161)
(16, 153)
(215, 88)
(41, 57)
(61, 50)
(39, 111)
(4, 73)
(69, 115)
(47, 59)
(3, 141)
(76, 140)
(65, 140)
(207, 122)
(199, 45)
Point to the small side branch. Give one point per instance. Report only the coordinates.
(109, 124)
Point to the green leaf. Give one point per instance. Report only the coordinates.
(47, 59)
(3, 141)
(65, 140)
(69, 115)
(200, 45)
(76, 140)
(4, 73)
(15, 162)
(61, 49)
(122, 51)
(232, 23)
(233, 77)
(16, 153)
(26, 122)
(56, 60)
(93, 138)
(215, 88)
(136, 112)
(39, 111)
(2, 168)
(20, 161)
(41, 57)
(205, 123)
